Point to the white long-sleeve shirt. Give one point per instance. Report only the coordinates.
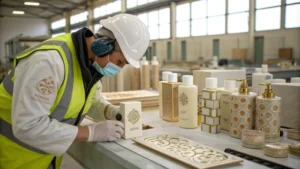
(31, 106)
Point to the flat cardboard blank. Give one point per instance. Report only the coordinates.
(187, 151)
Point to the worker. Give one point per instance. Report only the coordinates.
(52, 87)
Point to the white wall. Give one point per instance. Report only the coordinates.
(10, 27)
(203, 45)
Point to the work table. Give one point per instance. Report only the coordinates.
(127, 154)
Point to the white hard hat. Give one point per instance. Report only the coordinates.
(131, 34)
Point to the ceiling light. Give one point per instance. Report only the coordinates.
(32, 3)
(18, 12)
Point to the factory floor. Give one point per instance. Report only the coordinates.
(69, 163)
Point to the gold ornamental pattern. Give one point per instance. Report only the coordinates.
(133, 116)
(267, 118)
(242, 115)
(183, 99)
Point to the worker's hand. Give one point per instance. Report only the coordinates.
(112, 112)
(106, 131)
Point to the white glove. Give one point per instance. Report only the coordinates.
(112, 112)
(106, 131)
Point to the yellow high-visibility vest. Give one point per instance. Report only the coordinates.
(70, 101)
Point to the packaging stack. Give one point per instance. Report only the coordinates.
(210, 105)
(148, 98)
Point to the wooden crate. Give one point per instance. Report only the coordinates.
(286, 53)
(239, 53)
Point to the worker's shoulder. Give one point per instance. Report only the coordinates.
(49, 56)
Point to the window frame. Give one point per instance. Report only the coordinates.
(285, 11)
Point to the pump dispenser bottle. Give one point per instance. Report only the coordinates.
(170, 98)
(242, 110)
(164, 80)
(260, 76)
(188, 93)
(267, 117)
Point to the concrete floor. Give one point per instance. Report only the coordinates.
(69, 163)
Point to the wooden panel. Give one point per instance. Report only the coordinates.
(187, 151)
(286, 53)
(239, 53)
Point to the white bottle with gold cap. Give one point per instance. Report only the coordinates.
(242, 110)
(267, 117)
(188, 112)
(164, 80)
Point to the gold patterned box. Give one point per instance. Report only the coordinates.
(210, 120)
(199, 109)
(267, 117)
(170, 101)
(209, 94)
(211, 129)
(213, 104)
(131, 118)
(242, 114)
(211, 112)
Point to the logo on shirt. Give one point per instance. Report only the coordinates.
(46, 86)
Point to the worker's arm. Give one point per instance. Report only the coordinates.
(102, 109)
(31, 104)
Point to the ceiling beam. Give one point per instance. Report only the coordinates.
(27, 12)
(70, 2)
(27, 7)
(15, 16)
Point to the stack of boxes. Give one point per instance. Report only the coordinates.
(221, 75)
(210, 107)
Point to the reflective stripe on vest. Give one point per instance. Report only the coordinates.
(62, 107)
(6, 130)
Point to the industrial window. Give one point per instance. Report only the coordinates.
(198, 24)
(268, 19)
(205, 17)
(183, 20)
(107, 9)
(135, 3)
(267, 3)
(238, 16)
(292, 1)
(158, 23)
(292, 14)
(97, 27)
(58, 24)
(57, 34)
(267, 15)
(216, 17)
(79, 18)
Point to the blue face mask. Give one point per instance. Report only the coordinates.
(109, 70)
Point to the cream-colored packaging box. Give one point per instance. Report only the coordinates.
(131, 117)
(211, 129)
(210, 120)
(290, 98)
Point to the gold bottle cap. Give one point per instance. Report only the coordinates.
(268, 93)
(243, 89)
